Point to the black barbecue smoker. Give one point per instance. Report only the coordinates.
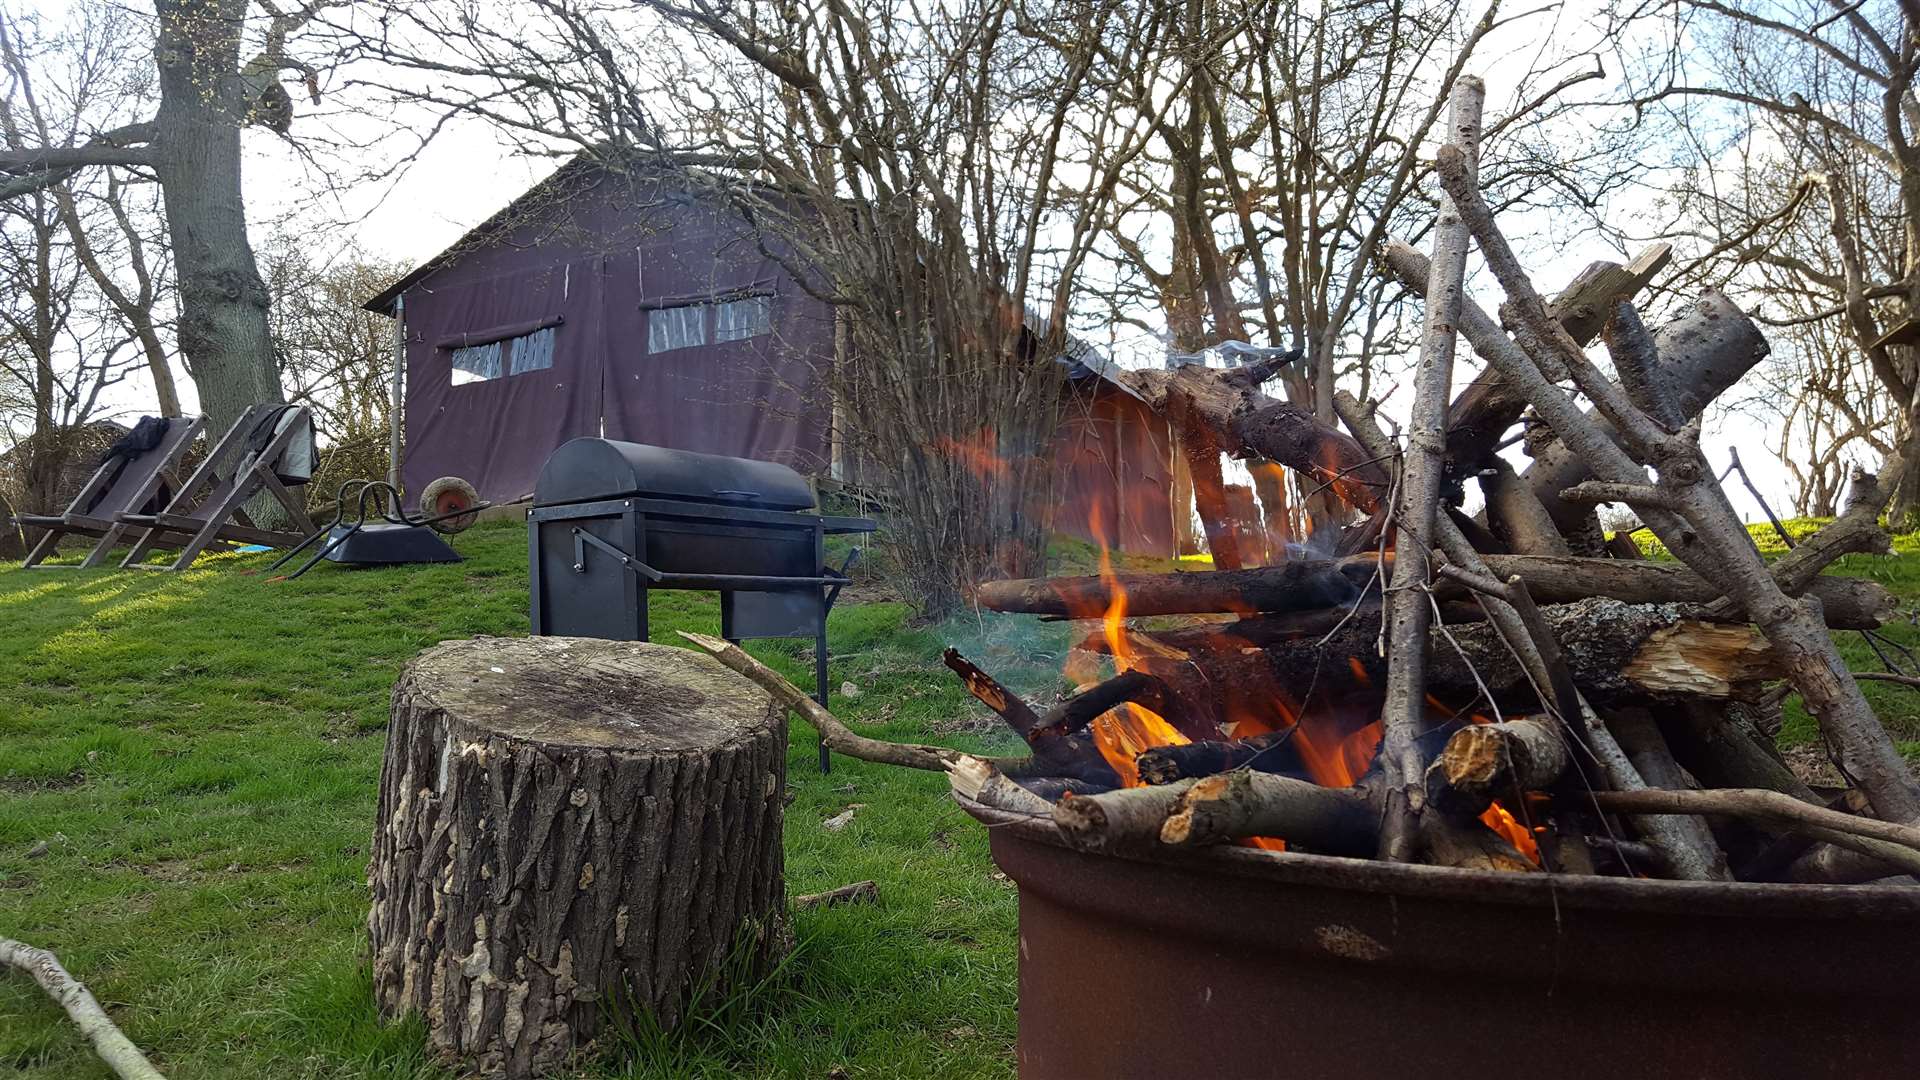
(612, 520)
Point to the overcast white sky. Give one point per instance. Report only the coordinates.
(467, 174)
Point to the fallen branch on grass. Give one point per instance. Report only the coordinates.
(113, 1046)
(859, 892)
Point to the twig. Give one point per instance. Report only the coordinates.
(1779, 529)
(1889, 676)
(835, 734)
(112, 1044)
(1763, 805)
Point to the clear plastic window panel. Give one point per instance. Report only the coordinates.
(478, 363)
(738, 320)
(534, 352)
(676, 327)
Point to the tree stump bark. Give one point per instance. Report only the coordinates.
(570, 831)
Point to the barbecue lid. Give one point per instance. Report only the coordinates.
(588, 469)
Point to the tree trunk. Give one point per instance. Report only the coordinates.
(564, 823)
(196, 156)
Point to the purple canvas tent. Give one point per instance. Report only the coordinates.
(619, 305)
(607, 305)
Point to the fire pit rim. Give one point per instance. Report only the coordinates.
(1733, 898)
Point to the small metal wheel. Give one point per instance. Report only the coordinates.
(446, 496)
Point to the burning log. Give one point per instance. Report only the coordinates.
(1469, 845)
(1315, 585)
(1483, 762)
(1056, 750)
(1128, 687)
(1269, 752)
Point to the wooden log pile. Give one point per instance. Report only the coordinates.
(1508, 690)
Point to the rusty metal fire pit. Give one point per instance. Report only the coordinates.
(1238, 963)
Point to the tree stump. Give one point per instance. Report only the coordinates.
(570, 830)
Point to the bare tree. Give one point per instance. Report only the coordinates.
(56, 355)
(209, 89)
(90, 72)
(1796, 174)
(334, 356)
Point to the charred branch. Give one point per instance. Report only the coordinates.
(1128, 687)
(1271, 752)
(1056, 752)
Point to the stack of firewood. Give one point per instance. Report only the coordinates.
(1512, 690)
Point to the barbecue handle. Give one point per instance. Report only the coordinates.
(581, 538)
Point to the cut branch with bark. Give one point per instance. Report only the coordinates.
(1409, 611)
(116, 1051)
(1483, 762)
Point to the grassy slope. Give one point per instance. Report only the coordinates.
(201, 752)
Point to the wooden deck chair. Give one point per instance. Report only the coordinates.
(239, 468)
(120, 485)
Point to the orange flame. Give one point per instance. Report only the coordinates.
(1497, 819)
(978, 452)
(1122, 733)
(1332, 760)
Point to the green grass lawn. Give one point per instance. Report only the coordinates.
(200, 755)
